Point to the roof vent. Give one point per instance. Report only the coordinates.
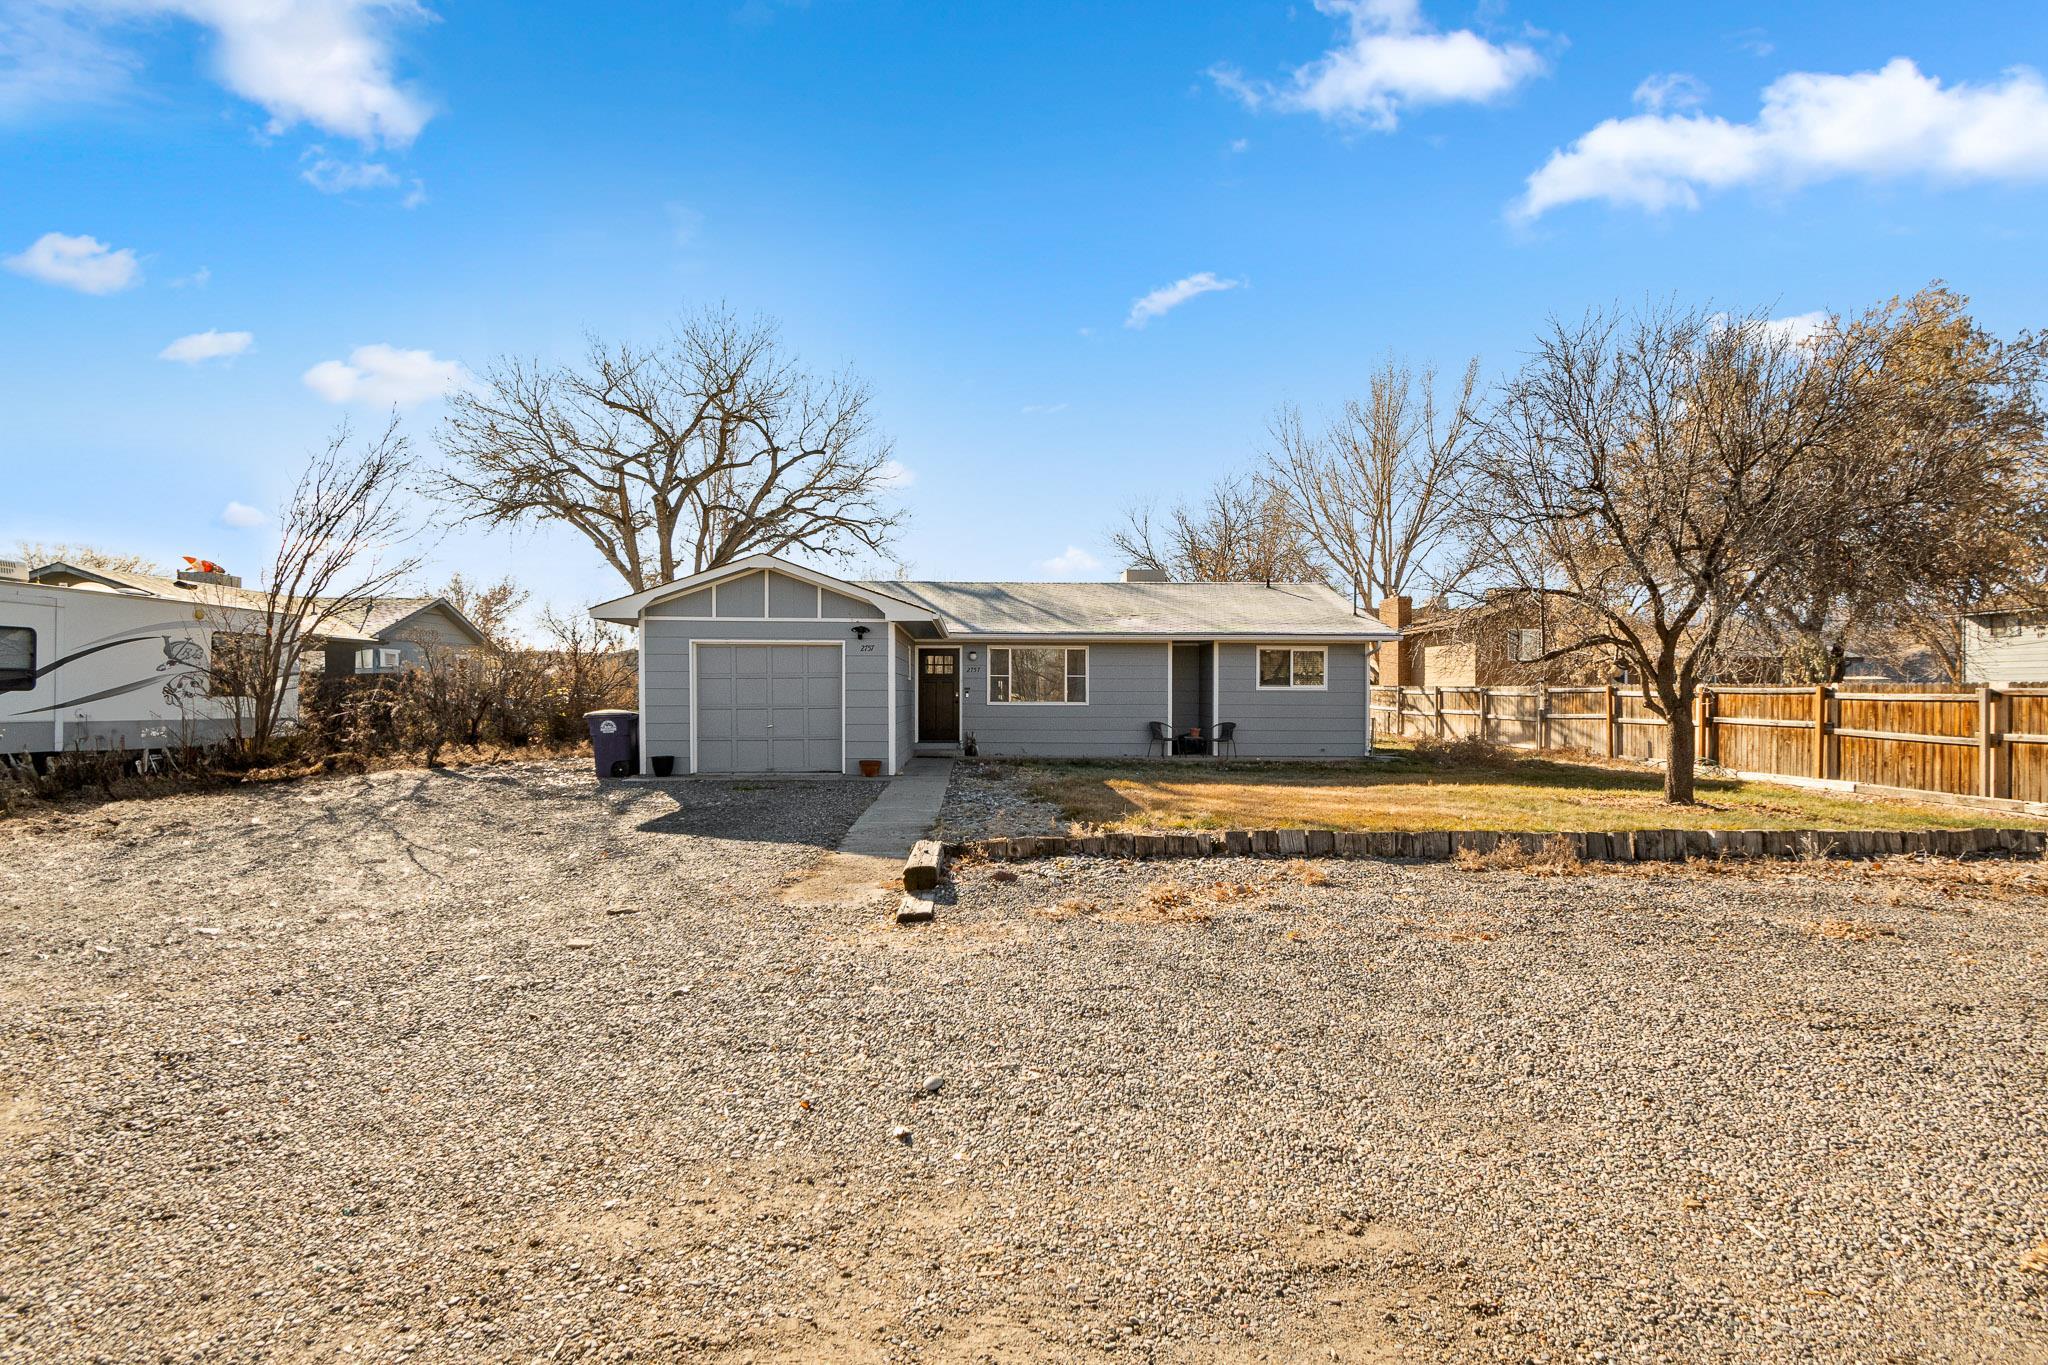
(13, 571)
(1134, 574)
(197, 571)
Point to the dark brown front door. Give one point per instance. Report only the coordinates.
(938, 696)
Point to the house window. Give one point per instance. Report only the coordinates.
(1293, 668)
(1042, 675)
(1525, 646)
(17, 659)
(2005, 627)
(377, 660)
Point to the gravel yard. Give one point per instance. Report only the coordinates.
(369, 1069)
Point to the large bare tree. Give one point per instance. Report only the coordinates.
(1240, 532)
(676, 458)
(1375, 487)
(1662, 470)
(340, 546)
(1942, 498)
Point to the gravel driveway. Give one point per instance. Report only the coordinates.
(364, 1069)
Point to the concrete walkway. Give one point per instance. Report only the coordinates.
(868, 863)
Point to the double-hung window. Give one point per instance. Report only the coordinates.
(1525, 646)
(17, 659)
(1293, 668)
(1043, 675)
(377, 661)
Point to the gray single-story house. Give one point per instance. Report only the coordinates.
(767, 666)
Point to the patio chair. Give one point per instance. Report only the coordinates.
(1162, 737)
(1223, 735)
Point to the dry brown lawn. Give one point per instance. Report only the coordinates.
(1411, 790)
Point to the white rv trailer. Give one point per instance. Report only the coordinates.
(102, 661)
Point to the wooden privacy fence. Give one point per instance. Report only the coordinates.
(1975, 742)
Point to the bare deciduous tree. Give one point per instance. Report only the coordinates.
(1941, 493)
(676, 458)
(1241, 532)
(36, 555)
(492, 608)
(1376, 487)
(1663, 470)
(338, 549)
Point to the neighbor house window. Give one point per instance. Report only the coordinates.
(1525, 646)
(17, 659)
(2005, 627)
(1293, 667)
(376, 660)
(1041, 674)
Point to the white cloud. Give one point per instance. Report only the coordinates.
(896, 474)
(331, 175)
(196, 280)
(207, 345)
(241, 516)
(1801, 328)
(1072, 562)
(1671, 91)
(327, 63)
(386, 376)
(1892, 122)
(1390, 60)
(83, 263)
(50, 60)
(415, 196)
(1168, 297)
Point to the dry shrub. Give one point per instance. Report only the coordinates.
(1853, 930)
(1225, 892)
(1170, 903)
(1555, 858)
(1305, 872)
(1463, 751)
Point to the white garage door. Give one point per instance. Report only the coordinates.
(769, 708)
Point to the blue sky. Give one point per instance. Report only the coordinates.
(963, 203)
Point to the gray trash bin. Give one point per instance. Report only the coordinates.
(615, 742)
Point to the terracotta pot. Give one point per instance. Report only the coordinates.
(871, 767)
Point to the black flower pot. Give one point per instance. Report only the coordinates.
(664, 765)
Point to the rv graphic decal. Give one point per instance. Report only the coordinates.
(179, 653)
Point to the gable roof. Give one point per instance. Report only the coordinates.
(386, 614)
(383, 615)
(1207, 610)
(626, 610)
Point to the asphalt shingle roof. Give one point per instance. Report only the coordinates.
(1200, 610)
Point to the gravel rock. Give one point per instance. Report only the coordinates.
(1194, 1111)
(988, 800)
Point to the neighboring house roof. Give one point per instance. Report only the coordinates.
(382, 617)
(1250, 610)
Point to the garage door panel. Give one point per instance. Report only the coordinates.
(769, 708)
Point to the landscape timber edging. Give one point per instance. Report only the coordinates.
(1617, 846)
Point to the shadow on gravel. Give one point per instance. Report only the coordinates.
(781, 812)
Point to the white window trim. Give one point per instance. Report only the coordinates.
(1258, 675)
(988, 672)
(1515, 638)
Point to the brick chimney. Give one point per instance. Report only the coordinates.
(1397, 612)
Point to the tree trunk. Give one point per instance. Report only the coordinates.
(1678, 770)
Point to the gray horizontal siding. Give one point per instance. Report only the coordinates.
(1296, 724)
(665, 728)
(1126, 691)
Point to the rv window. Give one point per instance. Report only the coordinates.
(17, 659)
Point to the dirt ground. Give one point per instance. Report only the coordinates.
(504, 1064)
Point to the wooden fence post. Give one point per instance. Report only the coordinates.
(1987, 766)
(1609, 714)
(1485, 706)
(2001, 767)
(1710, 737)
(1820, 730)
(1542, 717)
(1439, 713)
